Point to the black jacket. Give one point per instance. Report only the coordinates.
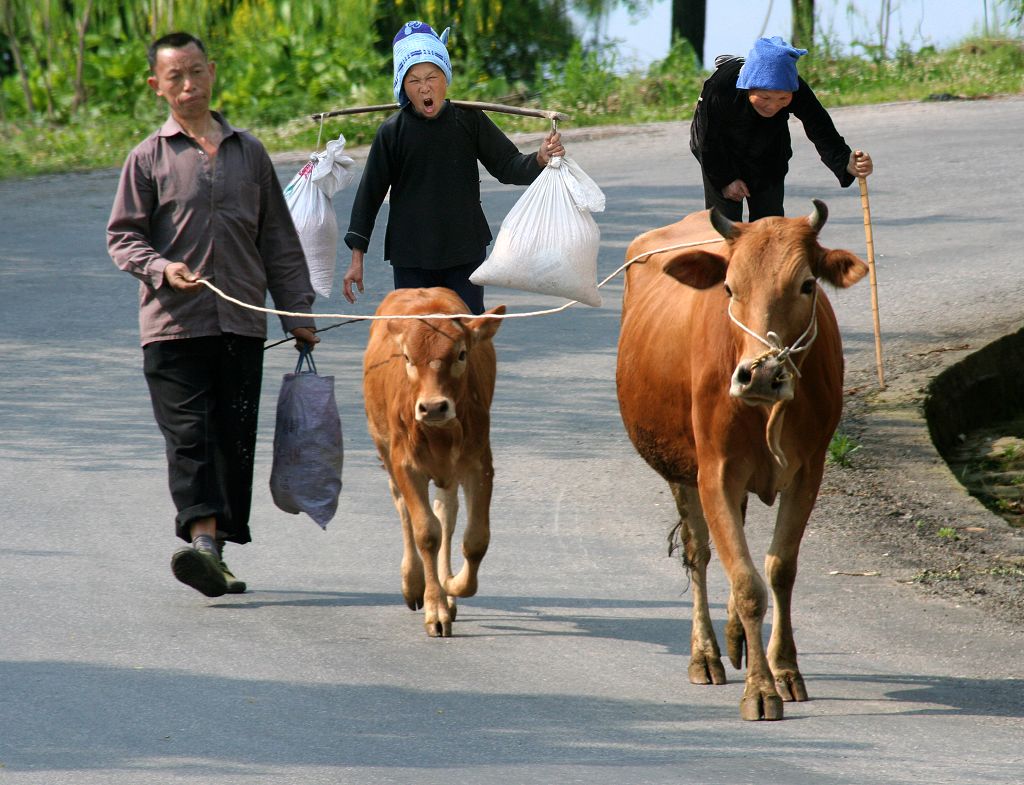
(733, 142)
(436, 220)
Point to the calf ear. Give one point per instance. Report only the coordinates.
(699, 269)
(482, 328)
(840, 268)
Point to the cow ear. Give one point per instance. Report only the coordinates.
(840, 268)
(482, 328)
(699, 269)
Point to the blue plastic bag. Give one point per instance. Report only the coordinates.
(308, 450)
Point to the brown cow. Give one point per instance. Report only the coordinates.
(729, 377)
(428, 385)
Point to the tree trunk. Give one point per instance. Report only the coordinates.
(803, 24)
(688, 21)
(81, 27)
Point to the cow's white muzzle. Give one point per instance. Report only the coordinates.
(768, 378)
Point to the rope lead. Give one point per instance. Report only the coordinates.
(378, 317)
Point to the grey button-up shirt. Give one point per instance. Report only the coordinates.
(226, 219)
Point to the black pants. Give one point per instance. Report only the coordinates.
(455, 278)
(206, 394)
(761, 203)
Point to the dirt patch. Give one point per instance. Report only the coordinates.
(908, 510)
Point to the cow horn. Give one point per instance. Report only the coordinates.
(819, 216)
(723, 225)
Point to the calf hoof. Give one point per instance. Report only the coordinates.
(761, 707)
(413, 589)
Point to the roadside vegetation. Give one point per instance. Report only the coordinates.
(75, 97)
(840, 450)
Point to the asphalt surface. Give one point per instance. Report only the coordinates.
(570, 664)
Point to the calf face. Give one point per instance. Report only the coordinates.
(435, 354)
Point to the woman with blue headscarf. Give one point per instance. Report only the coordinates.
(740, 131)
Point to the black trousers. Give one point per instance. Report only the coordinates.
(455, 278)
(761, 203)
(206, 394)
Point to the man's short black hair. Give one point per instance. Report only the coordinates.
(177, 40)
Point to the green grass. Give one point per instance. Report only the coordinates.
(589, 89)
(930, 576)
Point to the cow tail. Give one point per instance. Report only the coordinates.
(675, 543)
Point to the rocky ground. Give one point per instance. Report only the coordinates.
(899, 501)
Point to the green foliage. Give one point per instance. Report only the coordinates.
(278, 61)
(948, 533)
(974, 68)
(930, 576)
(1008, 571)
(505, 40)
(588, 82)
(840, 449)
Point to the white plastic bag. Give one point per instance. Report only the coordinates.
(548, 242)
(308, 451)
(309, 200)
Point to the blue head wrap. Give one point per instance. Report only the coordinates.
(417, 43)
(770, 65)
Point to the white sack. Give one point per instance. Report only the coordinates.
(309, 200)
(548, 242)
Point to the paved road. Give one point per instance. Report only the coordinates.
(570, 665)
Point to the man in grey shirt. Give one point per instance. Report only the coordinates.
(199, 199)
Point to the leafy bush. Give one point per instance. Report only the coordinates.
(278, 62)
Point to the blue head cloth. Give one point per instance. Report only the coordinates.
(770, 65)
(417, 43)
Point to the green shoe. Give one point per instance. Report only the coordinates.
(199, 566)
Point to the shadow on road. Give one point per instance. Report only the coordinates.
(210, 726)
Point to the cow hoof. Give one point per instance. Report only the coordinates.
(758, 707)
(439, 629)
(710, 671)
(791, 686)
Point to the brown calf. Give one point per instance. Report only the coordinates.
(428, 385)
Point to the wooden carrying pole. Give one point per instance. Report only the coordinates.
(863, 182)
(519, 110)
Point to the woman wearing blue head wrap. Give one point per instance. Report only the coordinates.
(426, 156)
(740, 131)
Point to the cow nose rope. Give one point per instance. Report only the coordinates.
(378, 317)
(783, 354)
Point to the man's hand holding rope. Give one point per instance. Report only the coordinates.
(183, 280)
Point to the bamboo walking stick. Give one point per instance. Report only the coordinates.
(866, 207)
(503, 108)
